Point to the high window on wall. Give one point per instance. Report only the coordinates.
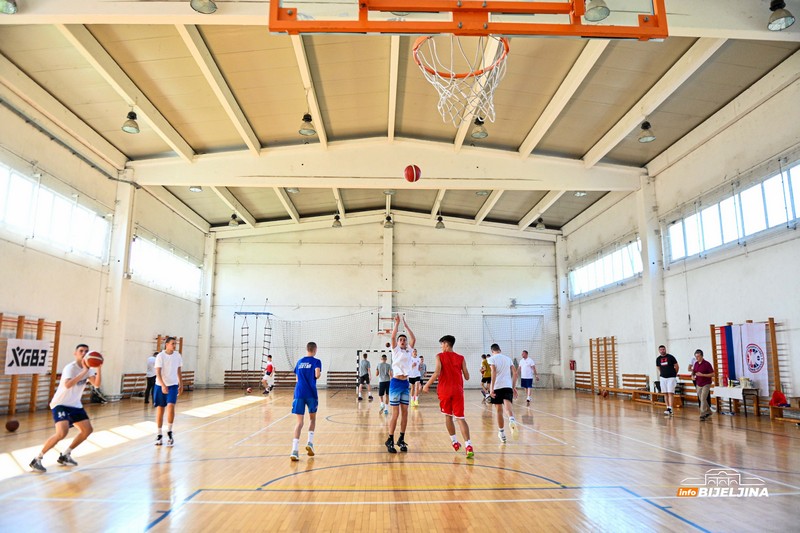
(735, 216)
(35, 211)
(164, 266)
(611, 266)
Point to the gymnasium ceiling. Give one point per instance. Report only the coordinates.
(219, 101)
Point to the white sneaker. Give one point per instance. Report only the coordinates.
(668, 412)
(295, 456)
(502, 436)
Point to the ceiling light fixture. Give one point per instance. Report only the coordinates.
(647, 135)
(307, 129)
(481, 193)
(206, 7)
(596, 10)
(130, 125)
(388, 224)
(400, 13)
(337, 223)
(233, 222)
(292, 190)
(781, 18)
(439, 222)
(195, 188)
(479, 131)
(8, 7)
(581, 194)
(389, 192)
(540, 224)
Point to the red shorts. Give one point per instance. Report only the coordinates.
(452, 405)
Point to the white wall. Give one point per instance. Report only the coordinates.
(753, 282)
(41, 282)
(335, 272)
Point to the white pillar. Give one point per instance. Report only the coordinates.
(116, 309)
(653, 306)
(206, 311)
(563, 375)
(387, 281)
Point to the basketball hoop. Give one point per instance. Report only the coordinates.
(469, 92)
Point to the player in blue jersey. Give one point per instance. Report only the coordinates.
(308, 370)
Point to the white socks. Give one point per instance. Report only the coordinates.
(295, 444)
(311, 437)
(453, 438)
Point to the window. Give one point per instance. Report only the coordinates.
(771, 203)
(609, 268)
(156, 266)
(31, 209)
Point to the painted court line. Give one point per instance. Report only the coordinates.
(260, 430)
(701, 459)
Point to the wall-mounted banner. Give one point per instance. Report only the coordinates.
(27, 356)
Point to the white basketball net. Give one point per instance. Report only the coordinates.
(470, 93)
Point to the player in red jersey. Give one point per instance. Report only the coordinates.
(451, 370)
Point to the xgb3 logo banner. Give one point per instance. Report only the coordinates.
(26, 356)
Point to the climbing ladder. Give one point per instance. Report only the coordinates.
(267, 342)
(244, 353)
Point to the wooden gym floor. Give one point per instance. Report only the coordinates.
(577, 463)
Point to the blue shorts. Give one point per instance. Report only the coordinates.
(527, 383)
(161, 400)
(70, 414)
(299, 405)
(398, 392)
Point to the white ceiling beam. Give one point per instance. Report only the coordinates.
(91, 50)
(202, 56)
(730, 19)
(437, 204)
(308, 85)
(337, 195)
(503, 230)
(593, 211)
(283, 226)
(682, 70)
(41, 108)
(283, 196)
(487, 206)
(394, 67)
(572, 82)
(540, 208)
(235, 205)
(489, 55)
(171, 201)
(374, 165)
(768, 86)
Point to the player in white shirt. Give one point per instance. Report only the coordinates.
(150, 374)
(503, 389)
(68, 410)
(527, 371)
(169, 386)
(415, 378)
(402, 347)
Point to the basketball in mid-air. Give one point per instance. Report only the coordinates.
(413, 173)
(12, 425)
(249, 390)
(605, 394)
(93, 359)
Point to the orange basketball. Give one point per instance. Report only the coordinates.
(93, 359)
(249, 390)
(12, 425)
(605, 394)
(413, 173)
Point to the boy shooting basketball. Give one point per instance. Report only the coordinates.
(398, 386)
(308, 370)
(450, 369)
(68, 409)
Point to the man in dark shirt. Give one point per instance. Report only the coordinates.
(703, 374)
(667, 366)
